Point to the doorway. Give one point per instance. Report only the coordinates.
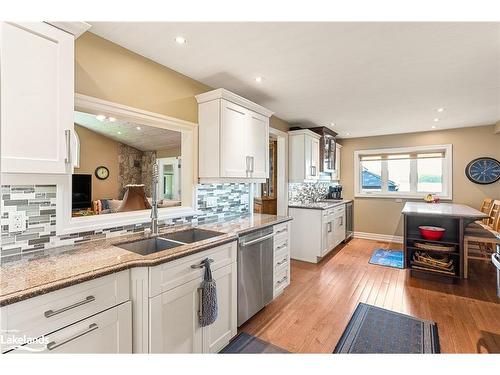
(271, 197)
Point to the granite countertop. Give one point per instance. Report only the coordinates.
(442, 209)
(320, 205)
(68, 265)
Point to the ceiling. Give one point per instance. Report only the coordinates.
(366, 78)
(147, 138)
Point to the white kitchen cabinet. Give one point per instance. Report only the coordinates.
(37, 91)
(316, 232)
(174, 326)
(336, 172)
(303, 155)
(106, 333)
(233, 138)
(281, 275)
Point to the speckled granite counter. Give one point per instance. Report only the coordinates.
(442, 209)
(321, 205)
(68, 265)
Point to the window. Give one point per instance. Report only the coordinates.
(410, 172)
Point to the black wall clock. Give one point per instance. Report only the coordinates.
(483, 170)
(102, 172)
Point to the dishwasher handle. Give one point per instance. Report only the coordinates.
(257, 240)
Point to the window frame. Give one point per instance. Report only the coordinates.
(446, 194)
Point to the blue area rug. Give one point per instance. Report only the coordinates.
(375, 330)
(388, 258)
(244, 343)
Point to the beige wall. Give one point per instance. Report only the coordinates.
(169, 153)
(97, 150)
(383, 215)
(107, 71)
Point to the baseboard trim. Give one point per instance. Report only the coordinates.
(378, 237)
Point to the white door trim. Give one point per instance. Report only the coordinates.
(282, 179)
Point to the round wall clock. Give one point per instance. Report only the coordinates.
(483, 170)
(102, 172)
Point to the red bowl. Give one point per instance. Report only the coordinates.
(431, 233)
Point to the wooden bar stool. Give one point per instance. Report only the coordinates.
(484, 235)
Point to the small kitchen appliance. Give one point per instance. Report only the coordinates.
(334, 192)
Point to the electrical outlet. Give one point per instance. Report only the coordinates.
(211, 202)
(244, 199)
(17, 221)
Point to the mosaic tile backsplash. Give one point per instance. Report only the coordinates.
(38, 202)
(308, 191)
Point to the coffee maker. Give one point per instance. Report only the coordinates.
(334, 192)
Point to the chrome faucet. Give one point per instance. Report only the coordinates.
(154, 201)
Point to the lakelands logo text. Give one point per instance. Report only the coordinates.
(9, 340)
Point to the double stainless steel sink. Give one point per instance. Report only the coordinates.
(168, 241)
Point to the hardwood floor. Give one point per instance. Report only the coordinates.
(310, 316)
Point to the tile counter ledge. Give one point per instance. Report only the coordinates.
(68, 265)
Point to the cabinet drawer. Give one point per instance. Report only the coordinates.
(281, 243)
(280, 231)
(107, 332)
(281, 281)
(281, 260)
(47, 313)
(172, 274)
(340, 210)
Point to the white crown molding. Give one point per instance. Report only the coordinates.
(74, 28)
(307, 132)
(233, 98)
(378, 237)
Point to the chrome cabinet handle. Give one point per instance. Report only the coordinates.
(329, 226)
(282, 261)
(52, 345)
(252, 164)
(67, 136)
(281, 231)
(201, 265)
(282, 246)
(279, 282)
(248, 163)
(313, 170)
(260, 239)
(200, 302)
(50, 313)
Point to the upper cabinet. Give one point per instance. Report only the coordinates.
(336, 171)
(37, 91)
(233, 138)
(303, 155)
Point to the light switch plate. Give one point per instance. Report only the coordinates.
(17, 221)
(211, 202)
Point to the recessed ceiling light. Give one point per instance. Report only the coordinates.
(138, 128)
(111, 119)
(436, 120)
(258, 79)
(119, 133)
(180, 40)
(440, 109)
(347, 133)
(332, 124)
(433, 127)
(101, 117)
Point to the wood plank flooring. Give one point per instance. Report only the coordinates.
(310, 316)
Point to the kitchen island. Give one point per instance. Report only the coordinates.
(441, 260)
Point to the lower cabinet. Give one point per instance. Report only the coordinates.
(107, 332)
(174, 325)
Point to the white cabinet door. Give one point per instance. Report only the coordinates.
(37, 90)
(339, 229)
(107, 332)
(233, 133)
(173, 321)
(258, 144)
(315, 158)
(217, 335)
(336, 172)
(326, 237)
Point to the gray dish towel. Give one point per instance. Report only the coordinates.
(209, 307)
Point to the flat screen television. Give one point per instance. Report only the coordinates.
(81, 196)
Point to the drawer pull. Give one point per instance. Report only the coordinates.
(50, 313)
(281, 231)
(200, 302)
(282, 246)
(279, 282)
(52, 345)
(201, 265)
(282, 261)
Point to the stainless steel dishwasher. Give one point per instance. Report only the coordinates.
(255, 272)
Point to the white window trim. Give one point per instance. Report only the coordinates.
(447, 193)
